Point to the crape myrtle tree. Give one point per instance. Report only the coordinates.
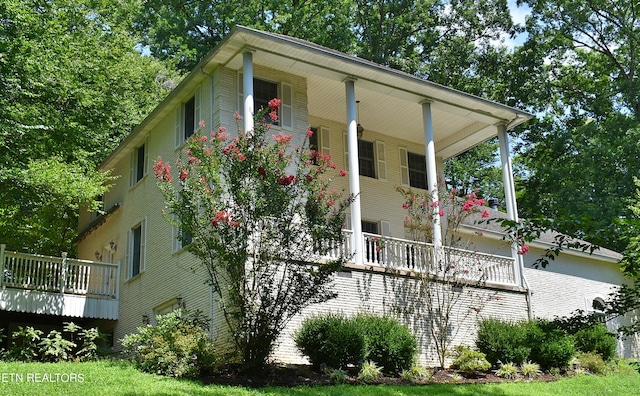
(449, 278)
(259, 214)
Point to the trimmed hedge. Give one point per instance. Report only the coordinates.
(516, 342)
(597, 339)
(336, 341)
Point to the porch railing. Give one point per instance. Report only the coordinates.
(402, 254)
(59, 274)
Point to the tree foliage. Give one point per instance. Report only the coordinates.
(580, 155)
(254, 210)
(72, 86)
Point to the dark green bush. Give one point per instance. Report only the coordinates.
(503, 341)
(332, 340)
(338, 341)
(388, 343)
(539, 341)
(178, 346)
(596, 339)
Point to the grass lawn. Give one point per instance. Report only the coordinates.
(117, 378)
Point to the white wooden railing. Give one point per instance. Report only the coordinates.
(405, 255)
(59, 274)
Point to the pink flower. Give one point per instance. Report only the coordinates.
(434, 204)
(331, 202)
(309, 133)
(342, 173)
(281, 139)
(274, 103)
(405, 206)
(201, 124)
(234, 223)
(377, 249)
(273, 115)
(523, 250)
(192, 160)
(183, 174)
(237, 116)
(286, 180)
(262, 172)
(441, 213)
(485, 213)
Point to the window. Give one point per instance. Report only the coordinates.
(413, 169)
(366, 159)
(369, 227)
(319, 141)
(179, 244)
(139, 160)
(187, 117)
(263, 92)
(372, 158)
(136, 249)
(417, 170)
(598, 307)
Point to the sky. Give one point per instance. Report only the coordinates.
(518, 14)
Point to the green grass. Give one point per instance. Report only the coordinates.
(117, 378)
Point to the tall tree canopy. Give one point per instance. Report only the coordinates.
(72, 85)
(581, 155)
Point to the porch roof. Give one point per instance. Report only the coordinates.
(390, 100)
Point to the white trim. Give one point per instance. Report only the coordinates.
(404, 166)
(324, 144)
(286, 106)
(381, 160)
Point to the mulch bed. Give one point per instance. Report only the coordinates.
(294, 375)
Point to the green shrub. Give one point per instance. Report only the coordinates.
(388, 343)
(596, 339)
(508, 370)
(530, 370)
(338, 341)
(416, 373)
(592, 362)
(338, 376)
(178, 346)
(503, 341)
(331, 339)
(468, 360)
(24, 345)
(552, 349)
(369, 372)
(73, 343)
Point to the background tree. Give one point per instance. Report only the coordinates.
(254, 211)
(580, 155)
(72, 86)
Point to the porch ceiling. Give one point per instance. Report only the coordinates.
(390, 100)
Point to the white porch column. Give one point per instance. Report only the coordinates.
(354, 171)
(510, 196)
(507, 172)
(247, 94)
(432, 171)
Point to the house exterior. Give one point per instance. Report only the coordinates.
(411, 126)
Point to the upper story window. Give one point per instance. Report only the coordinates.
(319, 140)
(187, 116)
(263, 92)
(372, 158)
(136, 251)
(413, 169)
(139, 163)
(366, 158)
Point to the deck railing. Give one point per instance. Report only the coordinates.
(59, 274)
(406, 255)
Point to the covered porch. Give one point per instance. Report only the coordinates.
(58, 286)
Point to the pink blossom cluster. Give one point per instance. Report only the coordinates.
(223, 216)
(162, 171)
